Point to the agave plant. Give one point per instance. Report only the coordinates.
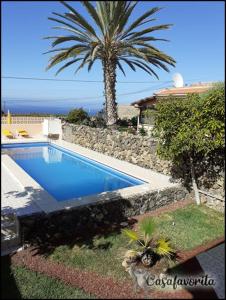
(148, 248)
(112, 39)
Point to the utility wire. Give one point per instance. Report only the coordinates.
(161, 85)
(99, 96)
(71, 80)
(94, 81)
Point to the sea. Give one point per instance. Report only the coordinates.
(47, 107)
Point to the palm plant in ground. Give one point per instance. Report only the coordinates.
(149, 249)
(113, 40)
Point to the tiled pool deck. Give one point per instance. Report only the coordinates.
(24, 195)
(13, 195)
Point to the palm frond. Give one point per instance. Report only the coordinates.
(75, 31)
(94, 51)
(91, 10)
(85, 60)
(163, 248)
(145, 39)
(121, 68)
(71, 18)
(118, 13)
(138, 22)
(65, 54)
(68, 64)
(56, 50)
(127, 61)
(158, 64)
(91, 64)
(63, 39)
(103, 16)
(147, 227)
(70, 28)
(148, 30)
(125, 17)
(56, 59)
(131, 234)
(138, 52)
(79, 19)
(64, 23)
(145, 67)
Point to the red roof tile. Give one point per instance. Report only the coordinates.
(183, 91)
(192, 89)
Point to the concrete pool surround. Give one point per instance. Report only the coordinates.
(153, 181)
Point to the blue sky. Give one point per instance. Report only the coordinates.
(196, 43)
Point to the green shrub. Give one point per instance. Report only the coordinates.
(142, 131)
(191, 134)
(98, 122)
(133, 121)
(78, 116)
(149, 116)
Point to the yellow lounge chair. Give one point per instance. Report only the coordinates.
(8, 133)
(22, 132)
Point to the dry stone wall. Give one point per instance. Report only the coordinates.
(66, 222)
(215, 196)
(136, 149)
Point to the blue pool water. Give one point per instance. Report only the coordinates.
(64, 174)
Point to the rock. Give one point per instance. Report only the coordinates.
(57, 235)
(134, 160)
(124, 224)
(99, 217)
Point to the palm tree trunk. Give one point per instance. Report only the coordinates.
(109, 67)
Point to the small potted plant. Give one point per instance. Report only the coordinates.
(150, 253)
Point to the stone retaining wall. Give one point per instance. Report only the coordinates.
(136, 149)
(215, 197)
(67, 222)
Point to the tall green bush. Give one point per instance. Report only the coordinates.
(191, 132)
(77, 116)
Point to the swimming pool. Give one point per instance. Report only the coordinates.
(65, 174)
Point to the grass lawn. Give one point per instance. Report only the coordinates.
(20, 283)
(194, 225)
(186, 228)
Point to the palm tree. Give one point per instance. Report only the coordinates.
(113, 41)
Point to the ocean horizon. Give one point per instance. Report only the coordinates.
(48, 107)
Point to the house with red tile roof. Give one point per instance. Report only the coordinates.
(195, 88)
(150, 102)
